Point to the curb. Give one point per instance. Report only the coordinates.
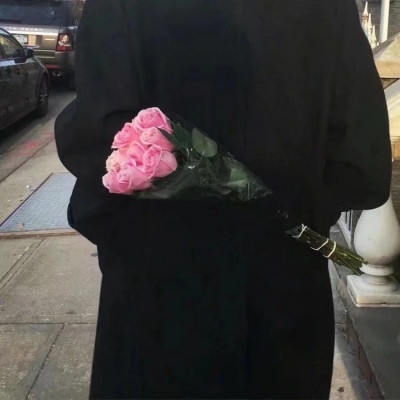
(366, 370)
(38, 234)
(373, 386)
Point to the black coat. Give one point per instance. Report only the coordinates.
(198, 301)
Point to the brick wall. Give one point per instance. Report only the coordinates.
(375, 10)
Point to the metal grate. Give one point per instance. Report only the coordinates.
(45, 210)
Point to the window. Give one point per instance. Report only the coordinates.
(39, 12)
(12, 49)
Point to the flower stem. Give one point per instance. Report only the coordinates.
(328, 248)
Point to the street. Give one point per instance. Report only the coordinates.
(48, 306)
(28, 126)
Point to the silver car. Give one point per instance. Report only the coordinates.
(49, 27)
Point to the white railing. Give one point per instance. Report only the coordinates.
(369, 28)
(376, 237)
(377, 240)
(377, 234)
(346, 225)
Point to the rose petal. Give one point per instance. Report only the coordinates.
(134, 177)
(114, 185)
(152, 118)
(126, 136)
(151, 159)
(153, 136)
(167, 165)
(136, 151)
(114, 162)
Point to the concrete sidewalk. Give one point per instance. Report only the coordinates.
(48, 306)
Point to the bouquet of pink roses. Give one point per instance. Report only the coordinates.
(156, 157)
(141, 154)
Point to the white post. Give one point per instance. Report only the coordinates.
(385, 10)
(377, 240)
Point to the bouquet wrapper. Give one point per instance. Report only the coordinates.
(206, 173)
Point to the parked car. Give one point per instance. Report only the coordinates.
(48, 26)
(24, 82)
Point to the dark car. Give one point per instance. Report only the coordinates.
(24, 82)
(48, 26)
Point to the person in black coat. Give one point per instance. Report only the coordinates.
(201, 299)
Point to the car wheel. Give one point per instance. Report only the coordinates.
(43, 99)
(71, 83)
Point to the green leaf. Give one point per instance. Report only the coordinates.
(203, 144)
(182, 136)
(239, 177)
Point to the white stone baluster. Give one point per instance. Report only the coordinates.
(365, 17)
(374, 40)
(377, 240)
(369, 28)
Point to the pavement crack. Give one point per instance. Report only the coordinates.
(19, 266)
(45, 361)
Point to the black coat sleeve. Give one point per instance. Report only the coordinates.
(358, 164)
(110, 87)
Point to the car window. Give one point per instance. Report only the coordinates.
(38, 12)
(11, 49)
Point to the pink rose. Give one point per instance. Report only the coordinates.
(152, 118)
(167, 165)
(114, 185)
(153, 136)
(114, 162)
(151, 159)
(158, 163)
(136, 151)
(131, 175)
(126, 136)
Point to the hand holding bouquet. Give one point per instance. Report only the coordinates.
(156, 157)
